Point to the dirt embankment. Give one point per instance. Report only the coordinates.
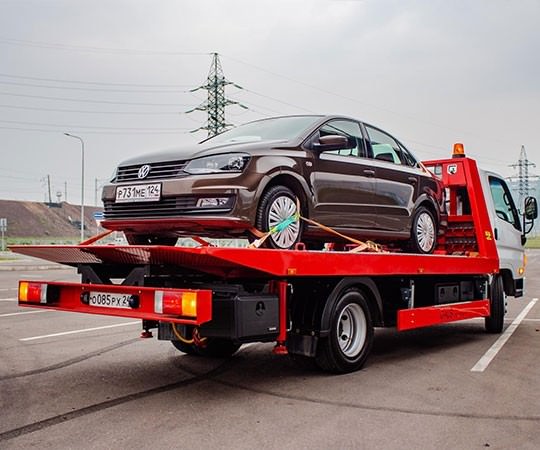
(42, 220)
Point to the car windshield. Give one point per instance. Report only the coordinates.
(278, 128)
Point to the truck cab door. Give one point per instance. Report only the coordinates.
(506, 227)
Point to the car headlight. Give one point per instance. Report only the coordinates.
(232, 162)
(113, 176)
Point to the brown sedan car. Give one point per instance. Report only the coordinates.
(346, 174)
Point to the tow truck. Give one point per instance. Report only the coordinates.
(321, 306)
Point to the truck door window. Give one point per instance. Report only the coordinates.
(504, 204)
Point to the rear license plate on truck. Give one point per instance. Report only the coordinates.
(138, 193)
(109, 300)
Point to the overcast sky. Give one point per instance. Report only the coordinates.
(118, 74)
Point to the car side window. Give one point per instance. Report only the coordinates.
(385, 148)
(346, 128)
(503, 202)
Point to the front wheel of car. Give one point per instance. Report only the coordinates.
(423, 232)
(278, 212)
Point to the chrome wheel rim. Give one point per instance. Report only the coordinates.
(351, 330)
(282, 208)
(425, 232)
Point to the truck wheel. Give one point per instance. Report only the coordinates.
(351, 335)
(277, 205)
(188, 349)
(423, 231)
(495, 322)
(218, 348)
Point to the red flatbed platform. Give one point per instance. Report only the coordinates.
(245, 262)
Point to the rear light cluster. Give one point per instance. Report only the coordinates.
(32, 292)
(182, 303)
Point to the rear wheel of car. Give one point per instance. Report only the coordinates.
(138, 239)
(423, 231)
(277, 209)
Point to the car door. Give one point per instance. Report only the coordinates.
(342, 180)
(397, 179)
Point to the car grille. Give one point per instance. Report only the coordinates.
(166, 207)
(158, 171)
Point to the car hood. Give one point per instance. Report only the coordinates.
(204, 149)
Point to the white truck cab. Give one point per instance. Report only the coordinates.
(509, 229)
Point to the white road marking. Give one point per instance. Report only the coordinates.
(85, 330)
(8, 299)
(485, 360)
(26, 312)
(8, 289)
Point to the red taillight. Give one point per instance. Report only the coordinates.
(179, 303)
(32, 292)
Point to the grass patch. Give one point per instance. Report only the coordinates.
(533, 242)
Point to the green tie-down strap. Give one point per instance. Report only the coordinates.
(284, 224)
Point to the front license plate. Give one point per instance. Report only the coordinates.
(138, 193)
(109, 300)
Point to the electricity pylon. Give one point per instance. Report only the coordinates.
(216, 102)
(524, 179)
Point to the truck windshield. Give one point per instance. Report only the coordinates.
(504, 204)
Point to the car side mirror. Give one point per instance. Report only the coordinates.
(332, 142)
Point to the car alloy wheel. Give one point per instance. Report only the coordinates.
(424, 231)
(277, 211)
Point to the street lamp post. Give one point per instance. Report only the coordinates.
(82, 182)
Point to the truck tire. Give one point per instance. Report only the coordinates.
(495, 322)
(188, 349)
(218, 348)
(351, 335)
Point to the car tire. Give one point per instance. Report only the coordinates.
(141, 239)
(495, 322)
(278, 204)
(423, 232)
(351, 335)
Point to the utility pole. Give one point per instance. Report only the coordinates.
(216, 101)
(49, 188)
(65, 191)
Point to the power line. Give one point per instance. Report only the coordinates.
(143, 113)
(88, 126)
(41, 130)
(127, 51)
(64, 99)
(94, 89)
(524, 178)
(94, 83)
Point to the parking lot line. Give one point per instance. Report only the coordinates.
(25, 312)
(84, 330)
(485, 360)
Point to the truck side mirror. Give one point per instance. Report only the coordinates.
(531, 208)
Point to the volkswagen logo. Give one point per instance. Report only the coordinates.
(143, 171)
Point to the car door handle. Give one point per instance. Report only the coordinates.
(413, 180)
(369, 172)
